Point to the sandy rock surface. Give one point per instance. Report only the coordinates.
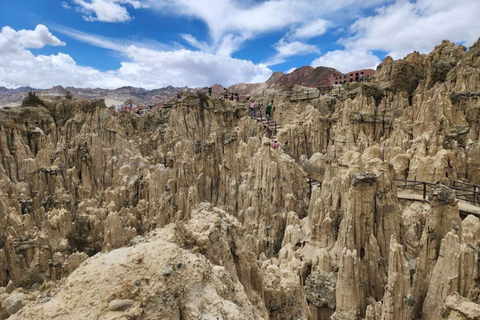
(187, 212)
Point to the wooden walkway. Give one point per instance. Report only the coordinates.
(464, 207)
(467, 194)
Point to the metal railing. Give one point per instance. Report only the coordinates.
(470, 194)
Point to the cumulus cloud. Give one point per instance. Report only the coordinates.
(312, 29)
(107, 10)
(12, 41)
(288, 49)
(143, 67)
(347, 60)
(404, 26)
(191, 68)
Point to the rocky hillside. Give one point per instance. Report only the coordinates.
(13, 97)
(185, 213)
(304, 76)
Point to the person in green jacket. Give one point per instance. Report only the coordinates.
(268, 110)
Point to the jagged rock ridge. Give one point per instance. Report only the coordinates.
(184, 212)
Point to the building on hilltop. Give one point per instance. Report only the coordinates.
(352, 76)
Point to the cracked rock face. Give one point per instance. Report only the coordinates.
(366, 177)
(187, 211)
(442, 194)
(320, 289)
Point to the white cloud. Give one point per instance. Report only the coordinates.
(290, 70)
(118, 45)
(347, 60)
(312, 29)
(143, 67)
(13, 41)
(289, 49)
(232, 22)
(191, 40)
(107, 10)
(191, 68)
(65, 5)
(404, 26)
(38, 38)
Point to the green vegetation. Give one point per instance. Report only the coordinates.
(68, 95)
(32, 100)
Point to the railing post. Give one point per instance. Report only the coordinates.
(424, 191)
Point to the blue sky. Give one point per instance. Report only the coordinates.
(155, 43)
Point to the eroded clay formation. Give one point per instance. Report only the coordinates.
(184, 213)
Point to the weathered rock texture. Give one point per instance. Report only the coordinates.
(187, 211)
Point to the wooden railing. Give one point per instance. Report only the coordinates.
(471, 193)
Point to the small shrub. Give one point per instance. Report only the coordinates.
(32, 100)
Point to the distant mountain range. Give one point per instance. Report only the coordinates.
(11, 97)
(4, 90)
(304, 76)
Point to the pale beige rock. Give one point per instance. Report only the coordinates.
(457, 307)
(397, 302)
(126, 280)
(77, 179)
(14, 303)
(120, 304)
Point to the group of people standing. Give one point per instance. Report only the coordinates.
(226, 95)
(268, 109)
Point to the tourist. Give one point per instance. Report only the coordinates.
(210, 91)
(268, 111)
(252, 108)
(275, 145)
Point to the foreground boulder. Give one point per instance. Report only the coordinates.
(128, 283)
